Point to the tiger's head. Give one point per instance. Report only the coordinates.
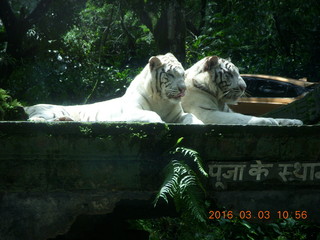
(167, 79)
(218, 77)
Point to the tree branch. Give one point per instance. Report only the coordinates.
(131, 39)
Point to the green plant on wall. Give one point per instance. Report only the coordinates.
(86, 131)
(184, 185)
(10, 109)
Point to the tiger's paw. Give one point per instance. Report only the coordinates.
(263, 121)
(189, 118)
(289, 122)
(62, 119)
(274, 121)
(37, 119)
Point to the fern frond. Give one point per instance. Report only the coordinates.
(169, 185)
(172, 150)
(194, 204)
(195, 156)
(182, 185)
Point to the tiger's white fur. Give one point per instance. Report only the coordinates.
(153, 96)
(213, 83)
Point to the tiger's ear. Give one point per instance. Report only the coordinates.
(169, 54)
(210, 63)
(154, 63)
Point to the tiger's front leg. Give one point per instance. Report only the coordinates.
(188, 118)
(143, 116)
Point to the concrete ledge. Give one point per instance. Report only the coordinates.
(306, 109)
(52, 172)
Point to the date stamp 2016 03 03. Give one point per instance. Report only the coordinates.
(262, 215)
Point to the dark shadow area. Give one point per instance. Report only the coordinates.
(115, 226)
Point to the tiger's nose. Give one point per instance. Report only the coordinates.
(242, 85)
(182, 88)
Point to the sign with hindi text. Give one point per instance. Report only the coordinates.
(223, 173)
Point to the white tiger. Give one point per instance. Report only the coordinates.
(153, 96)
(213, 83)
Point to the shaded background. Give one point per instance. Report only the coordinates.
(78, 51)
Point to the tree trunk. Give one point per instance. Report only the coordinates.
(170, 30)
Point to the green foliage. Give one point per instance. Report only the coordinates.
(84, 51)
(107, 35)
(181, 185)
(62, 82)
(193, 155)
(10, 109)
(270, 37)
(184, 185)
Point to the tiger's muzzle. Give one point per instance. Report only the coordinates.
(181, 94)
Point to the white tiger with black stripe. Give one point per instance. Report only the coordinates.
(213, 83)
(153, 96)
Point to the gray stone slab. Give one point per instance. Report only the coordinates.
(50, 173)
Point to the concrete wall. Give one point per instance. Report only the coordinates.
(52, 172)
